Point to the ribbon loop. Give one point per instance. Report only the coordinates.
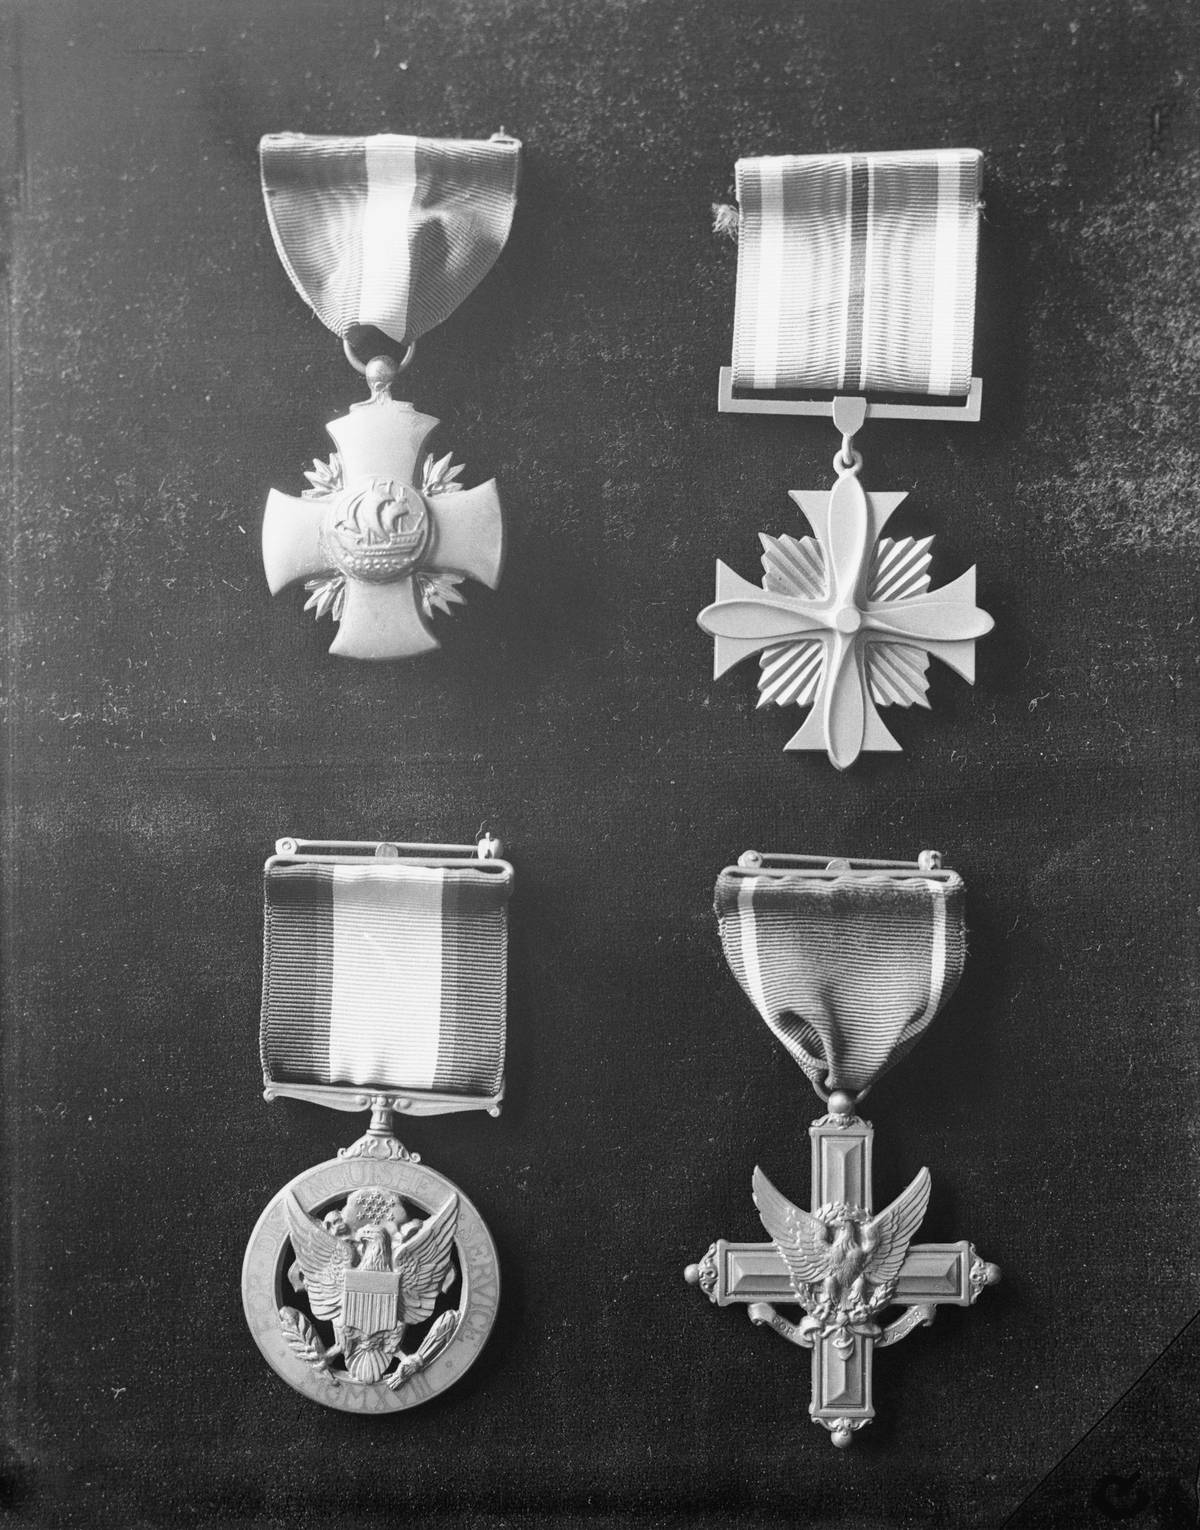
(385, 975)
(857, 271)
(390, 230)
(848, 972)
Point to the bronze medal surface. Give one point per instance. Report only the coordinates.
(370, 1285)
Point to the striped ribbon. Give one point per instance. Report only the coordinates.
(390, 230)
(385, 975)
(856, 272)
(847, 973)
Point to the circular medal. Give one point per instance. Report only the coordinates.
(370, 1283)
(378, 531)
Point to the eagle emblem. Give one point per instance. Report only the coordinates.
(842, 1262)
(370, 1271)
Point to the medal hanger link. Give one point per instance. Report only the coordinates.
(848, 417)
(396, 367)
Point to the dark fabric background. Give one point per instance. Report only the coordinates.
(166, 720)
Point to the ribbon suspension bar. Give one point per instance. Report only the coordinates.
(828, 868)
(966, 413)
(384, 974)
(484, 852)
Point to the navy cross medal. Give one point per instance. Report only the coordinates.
(388, 233)
(378, 547)
(856, 276)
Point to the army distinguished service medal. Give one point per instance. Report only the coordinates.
(856, 276)
(371, 1282)
(388, 232)
(847, 962)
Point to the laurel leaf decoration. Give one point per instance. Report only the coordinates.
(327, 595)
(304, 1342)
(325, 478)
(439, 592)
(438, 1336)
(438, 476)
(433, 1344)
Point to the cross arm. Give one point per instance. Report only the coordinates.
(291, 539)
(933, 1274)
(382, 621)
(468, 533)
(381, 439)
(744, 619)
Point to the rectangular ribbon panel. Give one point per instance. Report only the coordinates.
(386, 976)
(856, 272)
(388, 230)
(846, 973)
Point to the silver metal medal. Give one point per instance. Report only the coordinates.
(371, 1282)
(855, 283)
(381, 539)
(806, 937)
(383, 237)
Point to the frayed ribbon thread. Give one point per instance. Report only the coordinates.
(725, 220)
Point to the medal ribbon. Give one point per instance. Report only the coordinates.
(847, 973)
(856, 272)
(389, 230)
(385, 975)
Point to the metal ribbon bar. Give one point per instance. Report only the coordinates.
(966, 413)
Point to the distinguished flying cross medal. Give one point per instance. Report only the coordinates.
(371, 1282)
(806, 938)
(856, 275)
(389, 232)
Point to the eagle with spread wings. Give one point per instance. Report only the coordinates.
(842, 1262)
(371, 1272)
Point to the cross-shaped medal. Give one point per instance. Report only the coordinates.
(378, 551)
(845, 620)
(844, 1267)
